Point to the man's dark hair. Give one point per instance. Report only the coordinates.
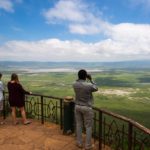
(82, 74)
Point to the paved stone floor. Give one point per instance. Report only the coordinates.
(35, 137)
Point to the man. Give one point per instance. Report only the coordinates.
(83, 107)
(1, 97)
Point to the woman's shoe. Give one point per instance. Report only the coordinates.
(2, 122)
(15, 123)
(27, 122)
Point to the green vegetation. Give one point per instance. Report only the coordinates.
(124, 92)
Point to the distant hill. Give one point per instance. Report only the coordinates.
(4, 65)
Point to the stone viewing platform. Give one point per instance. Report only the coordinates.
(35, 136)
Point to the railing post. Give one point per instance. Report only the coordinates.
(100, 129)
(61, 114)
(42, 113)
(130, 130)
(4, 108)
(94, 126)
(68, 115)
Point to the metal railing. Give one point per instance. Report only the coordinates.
(110, 129)
(119, 132)
(44, 108)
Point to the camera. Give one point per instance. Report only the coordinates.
(89, 76)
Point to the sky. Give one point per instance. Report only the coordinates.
(74, 30)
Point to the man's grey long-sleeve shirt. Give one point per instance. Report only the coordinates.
(83, 92)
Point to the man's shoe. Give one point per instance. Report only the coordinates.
(79, 145)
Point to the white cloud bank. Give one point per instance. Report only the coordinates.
(124, 41)
(117, 48)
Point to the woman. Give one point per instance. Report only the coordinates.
(17, 98)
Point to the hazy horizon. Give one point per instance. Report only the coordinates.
(36, 66)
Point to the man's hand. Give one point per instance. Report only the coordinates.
(89, 77)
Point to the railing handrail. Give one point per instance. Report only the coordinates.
(34, 94)
(53, 97)
(134, 123)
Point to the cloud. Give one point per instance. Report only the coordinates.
(141, 4)
(128, 40)
(46, 50)
(77, 16)
(8, 5)
(66, 10)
